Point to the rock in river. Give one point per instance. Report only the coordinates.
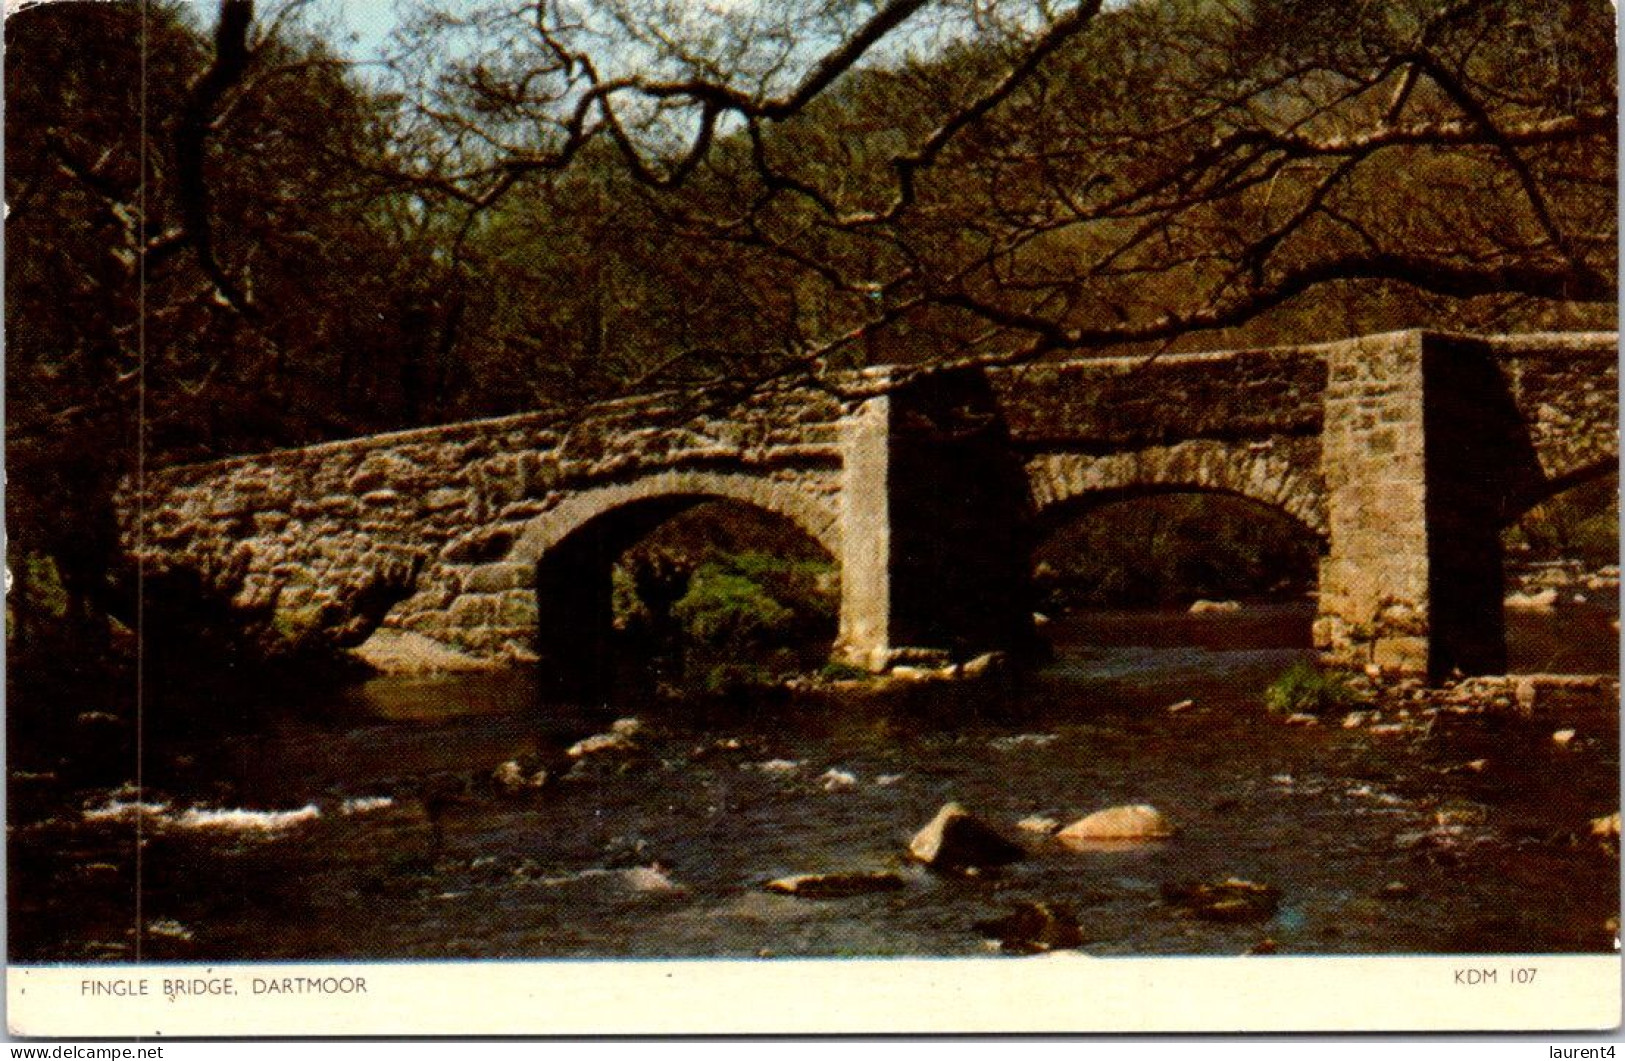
(620, 738)
(1233, 899)
(518, 776)
(956, 840)
(1034, 928)
(836, 885)
(1138, 822)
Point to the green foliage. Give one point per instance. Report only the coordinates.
(1581, 523)
(40, 584)
(836, 671)
(745, 620)
(725, 610)
(1175, 548)
(1306, 689)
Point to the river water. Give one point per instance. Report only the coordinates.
(308, 838)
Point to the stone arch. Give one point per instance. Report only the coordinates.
(572, 550)
(1265, 474)
(818, 518)
(1547, 488)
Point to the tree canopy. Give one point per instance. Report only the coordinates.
(914, 181)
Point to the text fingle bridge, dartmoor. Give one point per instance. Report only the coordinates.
(1405, 453)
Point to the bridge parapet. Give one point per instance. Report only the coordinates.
(1119, 403)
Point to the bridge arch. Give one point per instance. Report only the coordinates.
(1548, 488)
(654, 498)
(574, 547)
(1065, 483)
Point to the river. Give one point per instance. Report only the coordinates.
(308, 839)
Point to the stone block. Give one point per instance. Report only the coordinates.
(444, 499)
(517, 609)
(1408, 654)
(479, 547)
(494, 578)
(473, 610)
(340, 506)
(269, 522)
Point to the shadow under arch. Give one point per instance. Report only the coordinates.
(1548, 488)
(1081, 505)
(1562, 604)
(1292, 546)
(575, 546)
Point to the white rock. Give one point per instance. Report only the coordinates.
(599, 743)
(651, 879)
(1563, 737)
(1542, 601)
(1140, 821)
(838, 780)
(1215, 607)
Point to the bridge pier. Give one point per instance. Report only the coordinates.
(934, 524)
(1425, 458)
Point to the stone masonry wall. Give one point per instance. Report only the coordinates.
(455, 500)
(1374, 580)
(1339, 435)
(1242, 422)
(1565, 389)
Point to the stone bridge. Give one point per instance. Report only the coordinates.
(1405, 454)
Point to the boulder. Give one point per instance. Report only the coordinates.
(957, 841)
(516, 777)
(1230, 900)
(907, 672)
(836, 885)
(1461, 812)
(1038, 823)
(1541, 601)
(1606, 827)
(835, 780)
(618, 739)
(1215, 607)
(651, 880)
(986, 665)
(1033, 928)
(1140, 821)
(597, 744)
